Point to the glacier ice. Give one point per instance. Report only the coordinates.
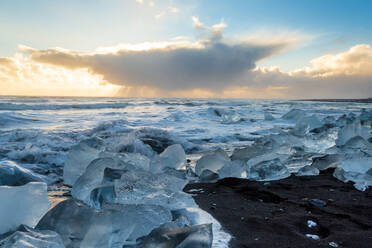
(308, 171)
(294, 114)
(94, 177)
(268, 170)
(326, 161)
(212, 161)
(12, 174)
(236, 168)
(141, 187)
(172, 157)
(112, 226)
(24, 204)
(306, 124)
(27, 237)
(79, 158)
(352, 130)
(199, 236)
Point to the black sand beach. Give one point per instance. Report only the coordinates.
(275, 214)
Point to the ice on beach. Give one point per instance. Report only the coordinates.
(12, 174)
(268, 170)
(308, 171)
(236, 168)
(141, 187)
(172, 157)
(79, 158)
(311, 224)
(94, 177)
(27, 237)
(212, 161)
(199, 236)
(113, 226)
(24, 204)
(294, 114)
(312, 236)
(306, 124)
(327, 161)
(352, 130)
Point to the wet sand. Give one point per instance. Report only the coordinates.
(276, 214)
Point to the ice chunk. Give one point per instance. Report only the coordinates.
(361, 180)
(236, 169)
(212, 161)
(268, 170)
(312, 236)
(294, 114)
(308, 171)
(94, 177)
(22, 205)
(230, 117)
(327, 161)
(268, 117)
(79, 158)
(352, 130)
(12, 174)
(172, 157)
(27, 237)
(141, 187)
(113, 226)
(306, 124)
(357, 162)
(311, 224)
(132, 144)
(260, 147)
(199, 236)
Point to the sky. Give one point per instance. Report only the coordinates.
(173, 48)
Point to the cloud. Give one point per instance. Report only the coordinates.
(208, 63)
(355, 61)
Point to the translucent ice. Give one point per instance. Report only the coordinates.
(199, 236)
(352, 130)
(22, 205)
(12, 174)
(212, 161)
(268, 170)
(236, 168)
(172, 157)
(79, 158)
(113, 226)
(294, 114)
(306, 124)
(94, 177)
(308, 171)
(141, 187)
(27, 237)
(327, 161)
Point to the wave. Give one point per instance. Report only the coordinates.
(9, 118)
(17, 106)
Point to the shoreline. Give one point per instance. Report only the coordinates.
(276, 213)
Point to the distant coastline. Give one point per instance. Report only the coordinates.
(363, 100)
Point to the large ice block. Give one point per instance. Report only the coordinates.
(352, 130)
(79, 158)
(141, 187)
(27, 237)
(268, 170)
(172, 157)
(212, 161)
(115, 225)
(22, 205)
(12, 174)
